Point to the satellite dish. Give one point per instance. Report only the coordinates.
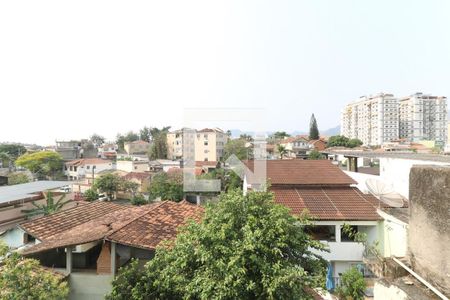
(384, 193)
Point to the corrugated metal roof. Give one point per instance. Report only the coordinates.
(26, 190)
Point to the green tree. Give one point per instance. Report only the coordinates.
(315, 155)
(238, 148)
(352, 285)
(166, 186)
(129, 186)
(90, 195)
(121, 139)
(108, 184)
(343, 141)
(246, 137)
(245, 247)
(42, 163)
(338, 141)
(14, 150)
(313, 129)
(49, 207)
(280, 135)
(97, 140)
(6, 160)
(24, 278)
(229, 180)
(145, 134)
(18, 178)
(282, 151)
(138, 200)
(158, 149)
(352, 143)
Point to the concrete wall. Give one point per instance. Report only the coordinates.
(89, 286)
(429, 226)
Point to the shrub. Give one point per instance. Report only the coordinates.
(138, 200)
(352, 285)
(90, 195)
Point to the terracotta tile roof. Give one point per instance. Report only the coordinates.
(338, 203)
(88, 161)
(90, 231)
(303, 172)
(48, 226)
(158, 224)
(143, 227)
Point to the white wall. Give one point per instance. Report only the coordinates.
(396, 171)
(394, 241)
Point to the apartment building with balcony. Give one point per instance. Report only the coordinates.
(200, 145)
(423, 118)
(372, 119)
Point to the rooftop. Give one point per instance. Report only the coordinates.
(142, 227)
(26, 190)
(88, 161)
(304, 172)
(334, 203)
(411, 156)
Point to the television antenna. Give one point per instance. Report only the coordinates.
(384, 192)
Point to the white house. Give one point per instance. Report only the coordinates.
(331, 197)
(79, 168)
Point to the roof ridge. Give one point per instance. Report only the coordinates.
(134, 219)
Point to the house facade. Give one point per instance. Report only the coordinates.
(88, 243)
(79, 168)
(332, 200)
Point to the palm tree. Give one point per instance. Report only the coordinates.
(282, 151)
(48, 208)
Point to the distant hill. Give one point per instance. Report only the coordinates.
(332, 131)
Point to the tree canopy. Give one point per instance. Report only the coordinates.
(315, 155)
(343, 141)
(313, 129)
(238, 148)
(14, 150)
(158, 149)
(109, 184)
(42, 163)
(245, 247)
(97, 140)
(18, 178)
(24, 278)
(166, 186)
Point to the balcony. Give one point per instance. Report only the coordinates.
(342, 251)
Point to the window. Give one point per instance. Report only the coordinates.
(206, 159)
(322, 232)
(345, 237)
(205, 143)
(88, 167)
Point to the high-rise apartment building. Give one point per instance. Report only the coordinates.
(423, 117)
(203, 145)
(372, 119)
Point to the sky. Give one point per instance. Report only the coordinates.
(72, 68)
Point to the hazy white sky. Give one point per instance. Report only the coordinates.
(68, 69)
